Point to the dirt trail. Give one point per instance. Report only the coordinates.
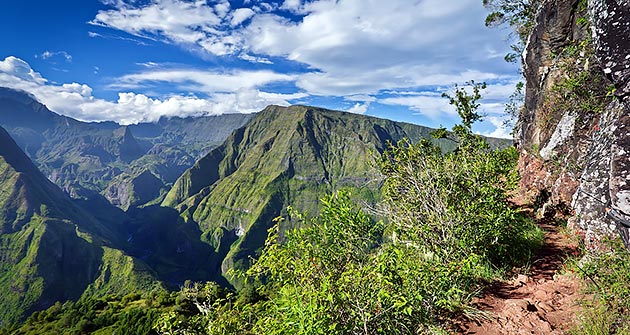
(541, 302)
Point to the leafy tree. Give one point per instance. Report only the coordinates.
(519, 15)
(466, 104)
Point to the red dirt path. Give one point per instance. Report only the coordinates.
(542, 301)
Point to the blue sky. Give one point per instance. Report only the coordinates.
(137, 60)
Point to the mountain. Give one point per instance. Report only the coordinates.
(128, 165)
(123, 232)
(284, 156)
(51, 249)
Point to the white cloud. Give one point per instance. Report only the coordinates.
(20, 70)
(360, 98)
(433, 105)
(502, 130)
(254, 59)
(359, 108)
(240, 15)
(114, 37)
(76, 100)
(351, 46)
(51, 54)
(203, 81)
(294, 6)
(182, 22)
(430, 104)
(291, 4)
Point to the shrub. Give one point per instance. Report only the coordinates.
(608, 273)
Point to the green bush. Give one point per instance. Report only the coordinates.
(608, 275)
(93, 315)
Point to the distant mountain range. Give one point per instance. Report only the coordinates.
(133, 209)
(50, 248)
(128, 165)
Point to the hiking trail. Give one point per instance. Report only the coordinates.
(544, 300)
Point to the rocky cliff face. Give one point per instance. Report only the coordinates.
(574, 130)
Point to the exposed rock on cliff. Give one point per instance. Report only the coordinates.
(574, 132)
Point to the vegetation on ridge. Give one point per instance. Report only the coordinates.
(286, 156)
(607, 275)
(450, 228)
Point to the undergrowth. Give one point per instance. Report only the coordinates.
(607, 274)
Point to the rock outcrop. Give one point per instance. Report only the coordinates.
(574, 132)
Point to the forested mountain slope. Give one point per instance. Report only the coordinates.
(51, 249)
(286, 156)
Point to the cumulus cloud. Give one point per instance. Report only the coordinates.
(77, 101)
(189, 23)
(240, 15)
(359, 108)
(18, 69)
(351, 46)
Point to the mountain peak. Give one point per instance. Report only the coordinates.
(11, 153)
(286, 156)
(18, 95)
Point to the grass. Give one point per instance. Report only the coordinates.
(607, 274)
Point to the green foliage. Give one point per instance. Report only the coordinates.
(457, 202)
(131, 315)
(583, 88)
(449, 229)
(519, 15)
(608, 275)
(466, 104)
(313, 275)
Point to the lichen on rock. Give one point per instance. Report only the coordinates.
(581, 124)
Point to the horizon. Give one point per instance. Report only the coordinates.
(137, 61)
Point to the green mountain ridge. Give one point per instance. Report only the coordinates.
(51, 249)
(103, 159)
(286, 156)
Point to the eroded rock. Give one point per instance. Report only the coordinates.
(584, 156)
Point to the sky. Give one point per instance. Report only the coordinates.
(135, 61)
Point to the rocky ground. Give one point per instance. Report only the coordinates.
(543, 299)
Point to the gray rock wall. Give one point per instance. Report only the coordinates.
(580, 157)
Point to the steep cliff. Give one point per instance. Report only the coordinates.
(573, 130)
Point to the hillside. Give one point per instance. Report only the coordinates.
(51, 249)
(286, 156)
